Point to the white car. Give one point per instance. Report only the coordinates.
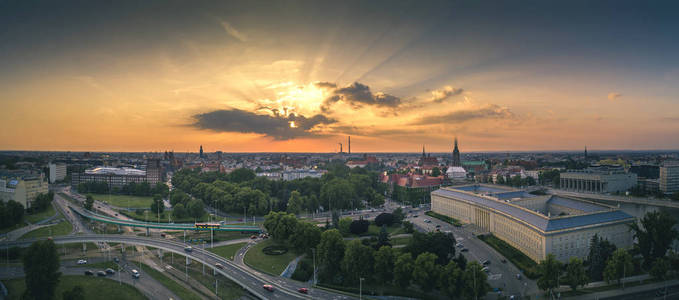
(135, 273)
(82, 262)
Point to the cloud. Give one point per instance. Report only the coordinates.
(325, 85)
(357, 95)
(233, 32)
(276, 126)
(614, 96)
(446, 92)
(487, 112)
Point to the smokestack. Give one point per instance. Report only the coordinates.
(340, 148)
(349, 144)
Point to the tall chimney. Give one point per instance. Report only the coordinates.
(349, 144)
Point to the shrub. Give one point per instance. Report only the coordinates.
(384, 219)
(304, 271)
(359, 226)
(275, 250)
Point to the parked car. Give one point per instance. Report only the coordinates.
(162, 234)
(101, 273)
(303, 290)
(485, 269)
(464, 250)
(110, 271)
(89, 273)
(253, 236)
(82, 262)
(504, 261)
(268, 287)
(518, 276)
(486, 262)
(116, 259)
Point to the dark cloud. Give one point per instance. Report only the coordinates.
(326, 85)
(357, 95)
(277, 126)
(490, 112)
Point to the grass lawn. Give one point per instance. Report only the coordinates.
(520, 260)
(63, 228)
(33, 218)
(172, 285)
(94, 287)
(447, 219)
(270, 264)
(227, 251)
(153, 217)
(123, 200)
(400, 241)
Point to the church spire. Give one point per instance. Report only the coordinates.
(423, 154)
(456, 155)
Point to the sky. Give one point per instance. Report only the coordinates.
(301, 76)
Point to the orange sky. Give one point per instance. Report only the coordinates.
(233, 77)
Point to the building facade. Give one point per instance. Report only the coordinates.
(57, 172)
(535, 225)
(669, 177)
(599, 180)
(23, 189)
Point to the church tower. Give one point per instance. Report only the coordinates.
(201, 151)
(456, 156)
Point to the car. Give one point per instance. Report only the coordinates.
(438, 226)
(268, 287)
(218, 265)
(518, 276)
(82, 262)
(110, 271)
(504, 261)
(415, 216)
(162, 234)
(89, 273)
(486, 262)
(485, 269)
(459, 245)
(303, 290)
(135, 273)
(464, 250)
(188, 249)
(253, 236)
(116, 215)
(101, 273)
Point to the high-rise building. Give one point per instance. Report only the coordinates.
(57, 172)
(669, 177)
(153, 171)
(456, 156)
(23, 189)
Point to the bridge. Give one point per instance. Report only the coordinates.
(152, 225)
(251, 280)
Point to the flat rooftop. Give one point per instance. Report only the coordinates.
(115, 171)
(535, 210)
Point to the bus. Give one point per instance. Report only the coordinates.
(207, 225)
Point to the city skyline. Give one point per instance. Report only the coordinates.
(301, 76)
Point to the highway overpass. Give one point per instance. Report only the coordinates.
(251, 280)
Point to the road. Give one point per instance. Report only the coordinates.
(501, 275)
(147, 285)
(249, 279)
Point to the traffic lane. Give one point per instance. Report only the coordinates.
(477, 251)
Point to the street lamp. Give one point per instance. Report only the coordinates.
(360, 288)
(313, 250)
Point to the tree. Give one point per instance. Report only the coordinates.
(475, 281)
(359, 226)
(500, 179)
(618, 266)
(344, 226)
(436, 172)
(403, 270)
(660, 268)
(550, 271)
(655, 235)
(330, 253)
(286, 226)
(599, 252)
(399, 215)
(408, 227)
(195, 208)
(241, 175)
(178, 211)
(450, 280)
(383, 237)
(384, 219)
(358, 262)
(575, 273)
(385, 258)
(461, 261)
(305, 237)
(41, 266)
(338, 194)
(76, 293)
(675, 196)
(425, 271)
(157, 204)
(295, 203)
(89, 202)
